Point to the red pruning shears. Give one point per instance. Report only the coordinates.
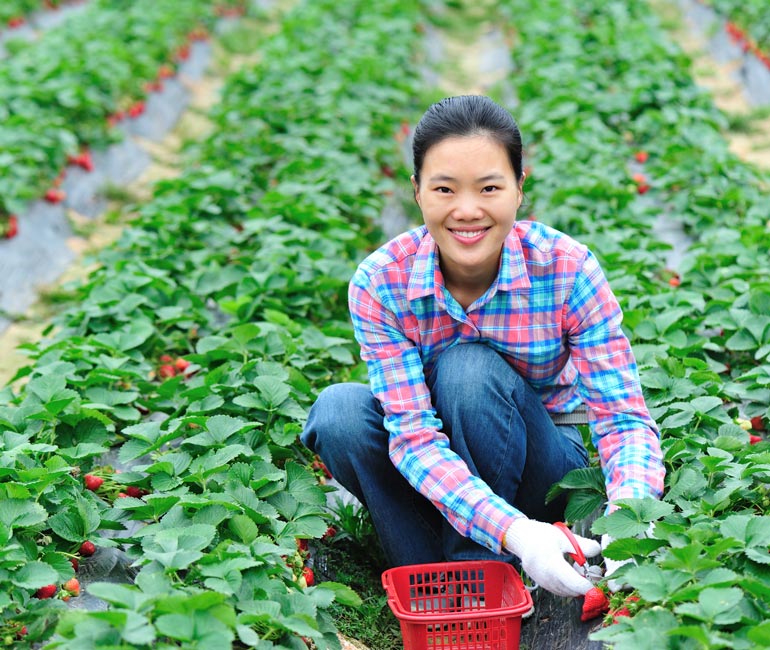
(581, 564)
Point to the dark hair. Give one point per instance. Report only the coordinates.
(466, 115)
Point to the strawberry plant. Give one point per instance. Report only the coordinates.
(239, 270)
(57, 93)
(700, 339)
(748, 24)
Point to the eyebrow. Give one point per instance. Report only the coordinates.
(483, 179)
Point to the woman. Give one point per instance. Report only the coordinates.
(476, 329)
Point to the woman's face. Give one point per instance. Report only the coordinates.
(468, 195)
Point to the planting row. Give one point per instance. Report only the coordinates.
(13, 13)
(192, 354)
(621, 137)
(729, 43)
(750, 24)
(63, 94)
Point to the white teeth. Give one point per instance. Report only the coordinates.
(467, 235)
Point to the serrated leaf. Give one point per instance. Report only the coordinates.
(34, 575)
(624, 549)
(19, 513)
(343, 594)
(272, 390)
(244, 528)
(655, 584)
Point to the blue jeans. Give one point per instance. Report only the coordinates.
(495, 422)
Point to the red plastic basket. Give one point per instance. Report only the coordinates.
(471, 605)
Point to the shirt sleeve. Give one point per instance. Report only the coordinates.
(622, 429)
(418, 448)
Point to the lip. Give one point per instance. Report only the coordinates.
(465, 238)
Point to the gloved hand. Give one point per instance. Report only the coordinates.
(541, 548)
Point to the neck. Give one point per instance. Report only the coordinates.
(468, 287)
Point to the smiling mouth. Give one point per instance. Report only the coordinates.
(468, 234)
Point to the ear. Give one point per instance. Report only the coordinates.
(416, 189)
(521, 190)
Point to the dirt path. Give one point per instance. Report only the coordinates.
(749, 137)
(95, 234)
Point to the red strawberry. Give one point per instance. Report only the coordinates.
(122, 495)
(674, 281)
(309, 576)
(72, 586)
(182, 364)
(92, 482)
(87, 549)
(320, 466)
(753, 440)
(641, 156)
(46, 592)
(166, 358)
(136, 492)
(16, 21)
(166, 371)
(165, 71)
(116, 117)
(22, 632)
(155, 86)
(55, 195)
(12, 228)
(595, 604)
(136, 109)
(388, 171)
(75, 564)
(620, 613)
(183, 53)
(331, 531)
(85, 161)
(757, 423)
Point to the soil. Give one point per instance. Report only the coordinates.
(751, 143)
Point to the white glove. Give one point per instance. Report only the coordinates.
(541, 548)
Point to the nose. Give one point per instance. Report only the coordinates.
(467, 207)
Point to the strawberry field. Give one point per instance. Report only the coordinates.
(154, 427)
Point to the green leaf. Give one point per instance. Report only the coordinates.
(719, 606)
(34, 575)
(221, 427)
(122, 596)
(76, 522)
(581, 505)
(343, 594)
(272, 390)
(629, 548)
(19, 513)
(655, 584)
(244, 528)
(760, 635)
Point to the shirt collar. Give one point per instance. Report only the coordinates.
(426, 274)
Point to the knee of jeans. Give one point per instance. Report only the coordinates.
(469, 369)
(337, 416)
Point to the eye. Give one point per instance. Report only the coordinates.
(490, 188)
(443, 190)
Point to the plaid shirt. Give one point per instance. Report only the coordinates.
(551, 314)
